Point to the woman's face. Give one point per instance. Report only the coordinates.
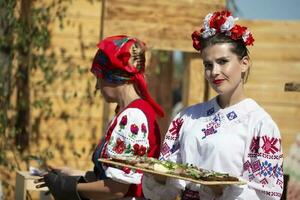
(107, 89)
(223, 68)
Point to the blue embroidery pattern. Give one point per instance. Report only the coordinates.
(231, 115)
(277, 171)
(266, 168)
(211, 127)
(208, 131)
(175, 147)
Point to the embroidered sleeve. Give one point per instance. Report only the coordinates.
(263, 166)
(129, 137)
(169, 151)
(171, 144)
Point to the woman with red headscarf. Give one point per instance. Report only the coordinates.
(119, 66)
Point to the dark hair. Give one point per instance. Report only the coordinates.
(238, 47)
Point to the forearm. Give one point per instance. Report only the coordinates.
(107, 189)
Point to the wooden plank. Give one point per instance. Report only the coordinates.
(83, 108)
(272, 26)
(156, 22)
(85, 9)
(195, 81)
(75, 27)
(25, 183)
(76, 47)
(75, 129)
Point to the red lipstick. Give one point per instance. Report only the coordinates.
(218, 81)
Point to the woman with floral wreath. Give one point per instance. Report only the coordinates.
(230, 133)
(119, 66)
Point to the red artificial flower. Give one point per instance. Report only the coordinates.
(237, 32)
(215, 21)
(218, 19)
(139, 150)
(123, 121)
(134, 129)
(119, 146)
(249, 40)
(226, 13)
(196, 39)
(144, 129)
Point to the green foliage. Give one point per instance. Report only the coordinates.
(25, 39)
(29, 66)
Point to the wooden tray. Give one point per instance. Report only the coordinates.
(202, 182)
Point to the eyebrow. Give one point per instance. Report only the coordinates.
(220, 58)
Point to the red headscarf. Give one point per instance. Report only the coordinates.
(121, 59)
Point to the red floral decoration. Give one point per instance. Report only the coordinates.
(196, 40)
(119, 146)
(123, 121)
(218, 19)
(237, 32)
(126, 170)
(221, 22)
(134, 129)
(139, 150)
(144, 129)
(249, 40)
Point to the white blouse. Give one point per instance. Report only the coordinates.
(241, 140)
(129, 137)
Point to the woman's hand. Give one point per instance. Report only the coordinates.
(61, 186)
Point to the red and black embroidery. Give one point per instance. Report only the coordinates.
(165, 149)
(123, 122)
(119, 146)
(176, 126)
(254, 147)
(139, 150)
(211, 127)
(264, 182)
(269, 145)
(143, 128)
(134, 129)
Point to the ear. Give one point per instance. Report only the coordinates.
(245, 63)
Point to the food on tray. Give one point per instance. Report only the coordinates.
(168, 167)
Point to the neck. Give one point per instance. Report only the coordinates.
(127, 95)
(229, 99)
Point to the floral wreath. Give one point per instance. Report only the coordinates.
(221, 22)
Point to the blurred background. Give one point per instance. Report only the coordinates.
(50, 112)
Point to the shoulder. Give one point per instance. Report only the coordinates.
(139, 111)
(262, 121)
(257, 112)
(132, 115)
(143, 106)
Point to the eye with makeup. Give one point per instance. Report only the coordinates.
(222, 61)
(208, 65)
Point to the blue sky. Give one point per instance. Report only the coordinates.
(268, 9)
